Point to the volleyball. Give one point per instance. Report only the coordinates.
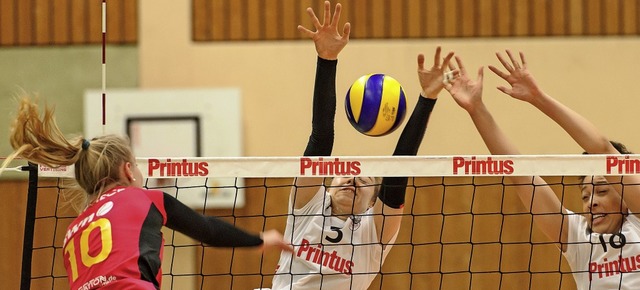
(375, 104)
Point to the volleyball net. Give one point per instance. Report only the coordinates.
(463, 225)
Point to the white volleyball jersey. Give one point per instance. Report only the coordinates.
(604, 261)
(329, 253)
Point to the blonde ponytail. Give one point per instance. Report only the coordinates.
(39, 140)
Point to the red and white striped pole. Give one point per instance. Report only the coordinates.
(104, 65)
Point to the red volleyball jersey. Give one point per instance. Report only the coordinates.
(116, 243)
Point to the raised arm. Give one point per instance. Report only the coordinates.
(214, 231)
(392, 192)
(540, 199)
(328, 42)
(524, 87)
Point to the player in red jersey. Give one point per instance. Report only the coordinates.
(116, 242)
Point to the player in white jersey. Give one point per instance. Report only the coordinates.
(602, 243)
(339, 233)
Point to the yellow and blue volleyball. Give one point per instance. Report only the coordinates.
(375, 104)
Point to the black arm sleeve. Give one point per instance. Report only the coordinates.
(324, 109)
(207, 229)
(394, 188)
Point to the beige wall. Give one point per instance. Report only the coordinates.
(595, 76)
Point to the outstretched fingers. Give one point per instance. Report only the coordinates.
(346, 31)
(420, 62)
(498, 72)
(504, 90)
(515, 63)
(506, 64)
(447, 59)
(308, 33)
(327, 13)
(481, 74)
(314, 19)
(524, 62)
(336, 14)
(463, 70)
(436, 57)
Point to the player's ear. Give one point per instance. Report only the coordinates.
(128, 172)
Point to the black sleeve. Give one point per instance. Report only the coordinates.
(207, 229)
(413, 132)
(324, 109)
(393, 188)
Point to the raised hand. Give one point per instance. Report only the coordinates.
(523, 85)
(466, 92)
(327, 39)
(431, 80)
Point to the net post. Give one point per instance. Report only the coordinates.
(29, 225)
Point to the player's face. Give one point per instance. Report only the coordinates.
(603, 205)
(352, 195)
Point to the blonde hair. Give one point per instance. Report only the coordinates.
(39, 140)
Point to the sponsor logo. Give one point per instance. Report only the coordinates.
(97, 282)
(81, 224)
(61, 168)
(169, 168)
(486, 165)
(316, 254)
(621, 165)
(615, 267)
(329, 167)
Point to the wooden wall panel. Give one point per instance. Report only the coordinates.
(557, 17)
(521, 18)
(485, 18)
(612, 25)
(78, 31)
(217, 11)
(61, 23)
(415, 18)
(539, 17)
(303, 18)
(237, 23)
(467, 18)
(254, 21)
(450, 20)
(379, 19)
(290, 16)
(7, 35)
(630, 17)
(355, 15)
(270, 16)
(25, 29)
(128, 23)
(93, 33)
(12, 215)
(72, 22)
(576, 12)
(504, 23)
(593, 17)
(396, 15)
(66, 22)
(43, 24)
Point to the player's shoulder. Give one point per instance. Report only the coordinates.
(130, 191)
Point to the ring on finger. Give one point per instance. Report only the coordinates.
(448, 76)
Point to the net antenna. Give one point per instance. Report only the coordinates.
(104, 65)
